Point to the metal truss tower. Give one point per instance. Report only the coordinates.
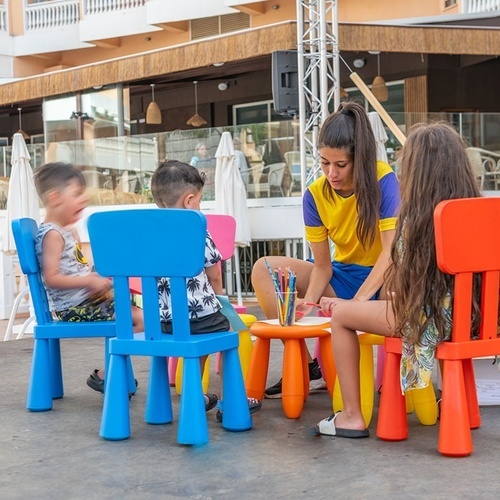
(318, 73)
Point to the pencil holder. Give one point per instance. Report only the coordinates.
(286, 303)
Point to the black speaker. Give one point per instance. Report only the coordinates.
(285, 82)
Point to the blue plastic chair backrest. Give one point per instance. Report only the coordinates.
(149, 244)
(25, 231)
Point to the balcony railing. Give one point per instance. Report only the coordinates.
(108, 6)
(479, 6)
(52, 14)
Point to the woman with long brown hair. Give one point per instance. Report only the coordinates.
(354, 204)
(434, 168)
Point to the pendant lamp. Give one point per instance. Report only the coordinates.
(379, 87)
(21, 131)
(196, 120)
(153, 113)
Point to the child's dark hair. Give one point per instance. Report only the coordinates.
(56, 176)
(172, 179)
(349, 129)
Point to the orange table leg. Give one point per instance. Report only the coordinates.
(293, 379)
(255, 383)
(305, 368)
(328, 362)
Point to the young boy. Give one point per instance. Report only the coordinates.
(179, 185)
(75, 293)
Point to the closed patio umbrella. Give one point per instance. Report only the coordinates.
(380, 135)
(22, 201)
(230, 197)
(22, 198)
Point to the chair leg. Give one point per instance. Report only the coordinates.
(158, 402)
(380, 366)
(392, 424)
(236, 416)
(172, 368)
(328, 368)
(257, 372)
(366, 381)
(471, 393)
(245, 351)
(40, 385)
(115, 421)
(424, 404)
(293, 379)
(455, 438)
(132, 388)
(56, 368)
(193, 428)
(178, 375)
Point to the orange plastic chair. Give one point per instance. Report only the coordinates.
(467, 242)
(295, 374)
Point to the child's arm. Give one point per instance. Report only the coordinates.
(215, 277)
(52, 248)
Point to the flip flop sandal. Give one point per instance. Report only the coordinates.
(327, 427)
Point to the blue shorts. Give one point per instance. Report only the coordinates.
(347, 279)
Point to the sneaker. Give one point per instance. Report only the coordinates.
(254, 405)
(274, 392)
(210, 401)
(316, 382)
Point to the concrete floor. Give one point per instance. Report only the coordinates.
(59, 454)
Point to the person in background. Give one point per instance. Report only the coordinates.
(200, 154)
(241, 160)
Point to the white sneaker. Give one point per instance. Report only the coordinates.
(317, 385)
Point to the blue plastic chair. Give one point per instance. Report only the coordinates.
(154, 243)
(46, 380)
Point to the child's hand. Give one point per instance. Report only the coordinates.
(303, 308)
(328, 304)
(97, 284)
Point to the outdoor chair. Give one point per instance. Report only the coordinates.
(486, 167)
(222, 228)
(467, 242)
(46, 380)
(166, 243)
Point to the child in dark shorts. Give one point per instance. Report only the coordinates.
(75, 292)
(179, 185)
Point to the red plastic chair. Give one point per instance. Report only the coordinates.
(467, 242)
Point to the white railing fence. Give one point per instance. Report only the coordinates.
(106, 6)
(3, 18)
(478, 6)
(52, 14)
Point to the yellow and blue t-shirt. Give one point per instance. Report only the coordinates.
(336, 218)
